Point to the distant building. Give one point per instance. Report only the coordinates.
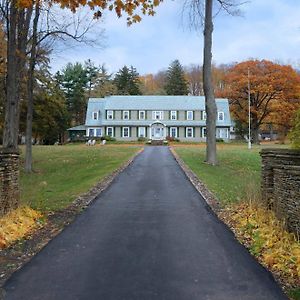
(128, 118)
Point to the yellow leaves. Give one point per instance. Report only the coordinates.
(266, 238)
(18, 224)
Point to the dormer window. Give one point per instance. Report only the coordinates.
(220, 116)
(190, 115)
(173, 115)
(157, 115)
(109, 115)
(126, 115)
(95, 115)
(142, 115)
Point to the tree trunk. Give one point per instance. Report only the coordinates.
(17, 29)
(30, 84)
(10, 135)
(255, 135)
(210, 103)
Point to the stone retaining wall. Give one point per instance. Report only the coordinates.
(9, 181)
(281, 184)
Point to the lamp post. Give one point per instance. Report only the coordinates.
(249, 111)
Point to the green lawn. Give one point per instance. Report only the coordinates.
(237, 177)
(61, 173)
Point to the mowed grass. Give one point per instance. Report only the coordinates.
(62, 173)
(237, 177)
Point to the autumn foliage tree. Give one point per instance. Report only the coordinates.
(274, 93)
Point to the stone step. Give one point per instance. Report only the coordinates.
(157, 142)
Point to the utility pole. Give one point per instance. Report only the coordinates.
(249, 111)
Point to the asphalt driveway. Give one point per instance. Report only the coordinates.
(150, 235)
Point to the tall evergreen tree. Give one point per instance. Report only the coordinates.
(127, 81)
(74, 81)
(176, 83)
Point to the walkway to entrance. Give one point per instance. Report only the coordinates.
(149, 236)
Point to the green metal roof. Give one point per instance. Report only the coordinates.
(183, 103)
(154, 102)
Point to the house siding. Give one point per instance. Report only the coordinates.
(182, 115)
(197, 115)
(166, 104)
(134, 115)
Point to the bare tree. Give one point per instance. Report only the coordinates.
(210, 103)
(197, 18)
(195, 81)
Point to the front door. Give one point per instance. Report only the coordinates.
(157, 132)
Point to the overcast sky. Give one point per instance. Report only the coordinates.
(268, 29)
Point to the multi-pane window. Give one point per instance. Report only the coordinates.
(220, 116)
(173, 115)
(204, 115)
(142, 115)
(189, 132)
(222, 133)
(142, 132)
(110, 115)
(203, 132)
(190, 115)
(98, 132)
(157, 115)
(125, 132)
(95, 115)
(173, 132)
(126, 115)
(110, 131)
(91, 132)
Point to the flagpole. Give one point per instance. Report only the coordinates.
(249, 112)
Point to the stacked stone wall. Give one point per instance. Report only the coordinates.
(9, 181)
(281, 184)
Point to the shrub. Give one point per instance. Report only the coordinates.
(108, 138)
(172, 139)
(219, 140)
(142, 139)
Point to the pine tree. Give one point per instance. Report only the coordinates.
(74, 81)
(176, 83)
(127, 81)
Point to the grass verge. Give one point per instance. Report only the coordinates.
(237, 174)
(62, 173)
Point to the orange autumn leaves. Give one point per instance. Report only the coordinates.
(133, 8)
(274, 88)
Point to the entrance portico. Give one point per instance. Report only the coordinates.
(158, 131)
